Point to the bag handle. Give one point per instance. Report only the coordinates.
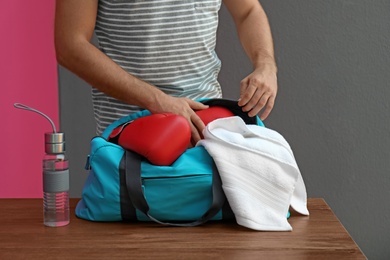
(134, 187)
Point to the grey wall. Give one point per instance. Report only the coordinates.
(332, 107)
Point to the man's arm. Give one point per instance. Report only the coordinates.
(258, 90)
(74, 25)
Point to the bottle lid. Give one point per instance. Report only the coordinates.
(54, 142)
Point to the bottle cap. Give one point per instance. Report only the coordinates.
(54, 142)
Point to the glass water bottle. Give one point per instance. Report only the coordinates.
(55, 176)
(55, 181)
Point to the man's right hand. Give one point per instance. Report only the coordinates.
(184, 107)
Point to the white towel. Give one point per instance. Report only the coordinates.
(259, 174)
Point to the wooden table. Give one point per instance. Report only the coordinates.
(23, 236)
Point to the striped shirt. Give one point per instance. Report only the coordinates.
(168, 43)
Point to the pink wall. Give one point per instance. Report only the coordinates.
(28, 74)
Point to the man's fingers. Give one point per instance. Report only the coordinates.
(196, 105)
(258, 92)
(254, 101)
(246, 93)
(195, 135)
(261, 103)
(268, 108)
(198, 127)
(257, 103)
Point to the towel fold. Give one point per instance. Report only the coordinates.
(259, 174)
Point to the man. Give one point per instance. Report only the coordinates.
(159, 55)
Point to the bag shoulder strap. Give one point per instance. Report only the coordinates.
(134, 187)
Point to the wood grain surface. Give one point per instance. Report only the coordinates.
(23, 236)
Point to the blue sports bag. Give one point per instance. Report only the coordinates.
(123, 186)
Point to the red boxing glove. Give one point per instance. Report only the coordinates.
(161, 138)
(210, 114)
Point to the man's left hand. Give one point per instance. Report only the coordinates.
(257, 91)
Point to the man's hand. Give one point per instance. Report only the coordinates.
(257, 91)
(186, 108)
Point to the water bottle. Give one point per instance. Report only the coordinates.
(55, 176)
(55, 181)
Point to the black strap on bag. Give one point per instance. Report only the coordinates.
(136, 195)
(233, 106)
(128, 212)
